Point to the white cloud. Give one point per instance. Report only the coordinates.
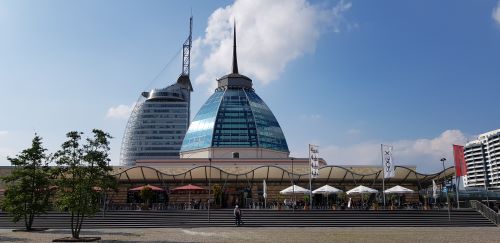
(270, 34)
(120, 111)
(496, 13)
(3, 133)
(424, 153)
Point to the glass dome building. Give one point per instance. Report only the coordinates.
(234, 123)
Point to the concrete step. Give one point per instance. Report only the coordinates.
(263, 218)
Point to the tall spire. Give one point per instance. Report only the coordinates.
(235, 59)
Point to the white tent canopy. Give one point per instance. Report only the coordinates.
(326, 189)
(294, 189)
(361, 190)
(398, 189)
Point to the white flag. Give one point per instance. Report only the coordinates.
(434, 190)
(264, 194)
(314, 160)
(387, 162)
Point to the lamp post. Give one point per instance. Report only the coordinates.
(209, 186)
(293, 190)
(444, 184)
(485, 177)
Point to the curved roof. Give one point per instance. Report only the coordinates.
(234, 117)
(331, 174)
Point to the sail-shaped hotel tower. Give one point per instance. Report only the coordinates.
(160, 118)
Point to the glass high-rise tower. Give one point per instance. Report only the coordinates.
(160, 119)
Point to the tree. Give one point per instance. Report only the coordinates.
(27, 193)
(81, 169)
(146, 195)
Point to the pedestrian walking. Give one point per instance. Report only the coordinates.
(237, 215)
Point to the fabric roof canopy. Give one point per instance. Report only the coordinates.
(340, 176)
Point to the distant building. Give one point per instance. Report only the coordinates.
(483, 161)
(160, 119)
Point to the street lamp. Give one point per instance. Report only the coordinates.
(293, 189)
(444, 184)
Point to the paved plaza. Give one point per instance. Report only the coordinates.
(247, 234)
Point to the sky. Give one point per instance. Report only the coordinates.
(344, 75)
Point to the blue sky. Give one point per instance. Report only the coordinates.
(345, 75)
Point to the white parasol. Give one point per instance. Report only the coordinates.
(294, 189)
(361, 190)
(398, 190)
(326, 190)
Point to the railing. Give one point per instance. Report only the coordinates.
(486, 211)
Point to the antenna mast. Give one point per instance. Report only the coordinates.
(186, 50)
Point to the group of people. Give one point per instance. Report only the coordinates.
(194, 204)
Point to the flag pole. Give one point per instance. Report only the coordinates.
(310, 177)
(383, 173)
(458, 189)
(265, 194)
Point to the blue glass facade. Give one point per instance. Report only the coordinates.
(234, 117)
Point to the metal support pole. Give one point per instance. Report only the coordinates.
(485, 176)
(444, 184)
(458, 189)
(209, 186)
(293, 191)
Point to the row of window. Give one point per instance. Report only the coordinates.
(157, 132)
(154, 143)
(162, 137)
(164, 116)
(161, 126)
(151, 154)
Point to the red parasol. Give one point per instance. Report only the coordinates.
(189, 188)
(153, 188)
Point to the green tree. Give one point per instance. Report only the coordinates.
(82, 167)
(218, 194)
(146, 195)
(27, 193)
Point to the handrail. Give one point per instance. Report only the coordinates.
(485, 211)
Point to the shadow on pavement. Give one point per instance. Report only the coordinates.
(89, 232)
(11, 239)
(126, 241)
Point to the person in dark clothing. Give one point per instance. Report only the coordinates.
(237, 215)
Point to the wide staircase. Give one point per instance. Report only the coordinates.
(262, 218)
